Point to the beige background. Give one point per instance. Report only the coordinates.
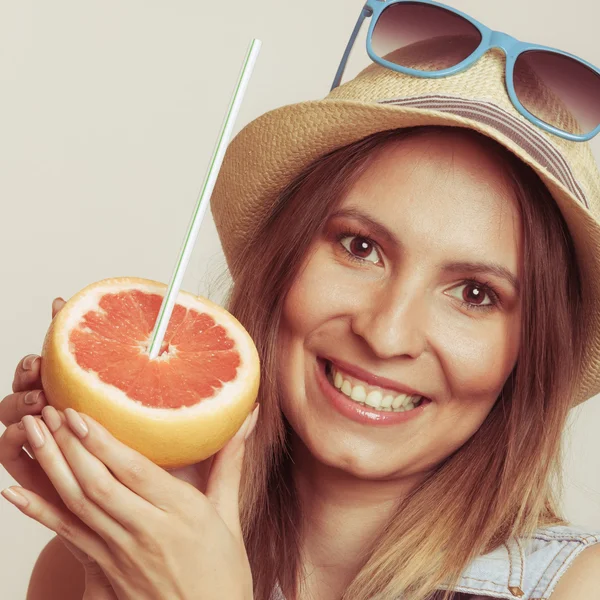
(109, 111)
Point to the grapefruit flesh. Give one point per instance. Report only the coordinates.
(177, 409)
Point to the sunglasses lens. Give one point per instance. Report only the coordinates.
(558, 90)
(424, 37)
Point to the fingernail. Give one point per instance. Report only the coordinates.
(253, 420)
(55, 308)
(29, 361)
(241, 432)
(51, 418)
(15, 498)
(34, 433)
(29, 451)
(32, 397)
(76, 423)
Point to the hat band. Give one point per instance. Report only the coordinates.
(528, 138)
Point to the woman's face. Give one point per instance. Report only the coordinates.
(405, 300)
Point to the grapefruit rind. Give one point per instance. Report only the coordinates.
(169, 437)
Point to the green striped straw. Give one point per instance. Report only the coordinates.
(168, 302)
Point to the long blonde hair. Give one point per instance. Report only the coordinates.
(501, 482)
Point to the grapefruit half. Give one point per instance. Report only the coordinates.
(177, 409)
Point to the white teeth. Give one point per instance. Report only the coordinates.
(338, 381)
(398, 401)
(358, 393)
(387, 401)
(373, 398)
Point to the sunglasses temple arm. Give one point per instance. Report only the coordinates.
(340, 72)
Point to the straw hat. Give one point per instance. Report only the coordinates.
(271, 150)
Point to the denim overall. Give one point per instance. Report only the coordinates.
(525, 568)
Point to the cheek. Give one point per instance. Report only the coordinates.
(313, 311)
(300, 310)
(475, 353)
(475, 370)
(302, 314)
(313, 297)
(480, 365)
(474, 364)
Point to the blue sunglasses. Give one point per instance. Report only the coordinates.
(572, 81)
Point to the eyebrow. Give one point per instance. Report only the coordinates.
(471, 267)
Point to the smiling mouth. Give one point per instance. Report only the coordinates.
(374, 397)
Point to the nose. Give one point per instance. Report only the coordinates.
(393, 322)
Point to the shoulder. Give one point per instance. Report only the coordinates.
(556, 562)
(564, 563)
(582, 579)
(56, 575)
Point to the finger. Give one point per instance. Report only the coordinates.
(196, 474)
(85, 559)
(15, 406)
(96, 481)
(131, 468)
(27, 374)
(57, 304)
(58, 471)
(226, 473)
(60, 521)
(22, 468)
(98, 586)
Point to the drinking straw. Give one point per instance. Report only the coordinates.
(168, 303)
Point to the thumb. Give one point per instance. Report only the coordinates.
(57, 304)
(225, 475)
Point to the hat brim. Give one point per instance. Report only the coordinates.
(274, 148)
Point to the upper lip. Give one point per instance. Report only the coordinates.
(371, 379)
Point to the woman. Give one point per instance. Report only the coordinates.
(429, 319)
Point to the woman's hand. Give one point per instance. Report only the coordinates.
(28, 399)
(97, 584)
(153, 535)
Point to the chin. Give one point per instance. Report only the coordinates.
(368, 470)
(356, 458)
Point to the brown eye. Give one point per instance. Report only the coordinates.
(474, 294)
(361, 248)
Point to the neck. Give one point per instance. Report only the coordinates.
(345, 516)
